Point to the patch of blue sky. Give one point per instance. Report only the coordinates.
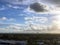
(4, 25)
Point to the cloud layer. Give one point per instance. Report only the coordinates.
(52, 2)
(19, 28)
(32, 28)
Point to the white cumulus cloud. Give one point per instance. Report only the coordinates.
(3, 18)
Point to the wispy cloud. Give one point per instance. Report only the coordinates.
(15, 7)
(9, 28)
(18, 2)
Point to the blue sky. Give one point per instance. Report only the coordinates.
(18, 13)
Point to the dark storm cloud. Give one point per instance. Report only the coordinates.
(37, 7)
(54, 2)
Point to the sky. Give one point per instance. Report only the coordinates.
(29, 16)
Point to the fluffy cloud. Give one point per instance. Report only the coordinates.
(37, 23)
(3, 18)
(7, 19)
